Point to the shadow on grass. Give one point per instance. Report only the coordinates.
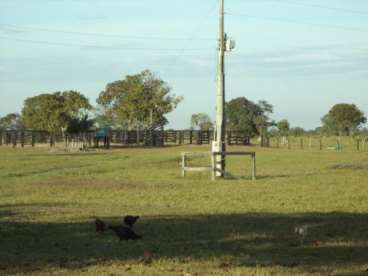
(135, 146)
(291, 175)
(230, 176)
(335, 240)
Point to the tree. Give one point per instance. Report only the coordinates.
(273, 131)
(343, 119)
(80, 125)
(283, 126)
(11, 121)
(103, 121)
(45, 112)
(138, 100)
(201, 121)
(75, 104)
(244, 115)
(297, 131)
(53, 112)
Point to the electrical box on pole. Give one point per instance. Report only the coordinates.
(230, 44)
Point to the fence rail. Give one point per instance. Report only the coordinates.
(157, 138)
(118, 138)
(332, 143)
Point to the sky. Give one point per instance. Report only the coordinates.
(302, 56)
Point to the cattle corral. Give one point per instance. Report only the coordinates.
(120, 138)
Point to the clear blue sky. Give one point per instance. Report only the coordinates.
(302, 56)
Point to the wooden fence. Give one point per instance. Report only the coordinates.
(118, 138)
(332, 143)
(157, 138)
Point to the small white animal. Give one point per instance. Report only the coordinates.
(302, 232)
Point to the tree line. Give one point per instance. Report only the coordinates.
(342, 120)
(254, 118)
(143, 101)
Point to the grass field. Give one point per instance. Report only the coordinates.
(192, 226)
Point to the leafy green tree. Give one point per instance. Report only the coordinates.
(45, 112)
(138, 100)
(76, 104)
(12, 121)
(266, 108)
(244, 115)
(201, 121)
(283, 126)
(53, 112)
(343, 119)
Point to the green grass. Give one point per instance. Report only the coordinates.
(191, 226)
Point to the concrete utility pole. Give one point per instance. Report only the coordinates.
(219, 144)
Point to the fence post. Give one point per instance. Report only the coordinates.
(14, 138)
(320, 144)
(175, 136)
(262, 141)
(358, 144)
(301, 143)
(213, 165)
(138, 137)
(89, 139)
(7, 138)
(181, 137)
(199, 137)
(22, 138)
(32, 139)
(1, 138)
(289, 143)
(183, 164)
(51, 140)
(254, 166)
(108, 141)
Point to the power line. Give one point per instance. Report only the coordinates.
(330, 26)
(195, 31)
(100, 47)
(38, 29)
(335, 9)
